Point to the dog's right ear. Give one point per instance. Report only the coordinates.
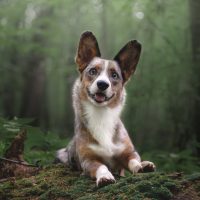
(87, 49)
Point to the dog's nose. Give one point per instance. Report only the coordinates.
(102, 85)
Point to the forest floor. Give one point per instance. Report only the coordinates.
(60, 182)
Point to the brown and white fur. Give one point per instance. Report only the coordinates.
(101, 144)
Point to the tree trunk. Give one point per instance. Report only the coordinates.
(34, 98)
(104, 29)
(33, 94)
(195, 36)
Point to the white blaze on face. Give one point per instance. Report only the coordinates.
(103, 76)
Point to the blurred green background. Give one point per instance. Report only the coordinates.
(38, 41)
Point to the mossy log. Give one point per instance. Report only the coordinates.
(60, 182)
(13, 163)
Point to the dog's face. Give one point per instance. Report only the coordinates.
(103, 80)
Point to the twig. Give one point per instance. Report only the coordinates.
(6, 179)
(17, 162)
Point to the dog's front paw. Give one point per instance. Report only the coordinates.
(105, 181)
(148, 166)
(104, 176)
(134, 166)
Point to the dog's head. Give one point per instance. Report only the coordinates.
(103, 80)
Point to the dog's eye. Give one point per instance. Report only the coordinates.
(93, 72)
(115, 75)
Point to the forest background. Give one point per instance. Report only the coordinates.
(38, 41)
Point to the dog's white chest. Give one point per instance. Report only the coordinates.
(107, 151)
(101, 122)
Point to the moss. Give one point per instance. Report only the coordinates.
(172, 186)
(54, 193)
(6, 186)
(144, 186)
(197, 187)
(25, 182)
(192, 177)
(59, 182)
(33, 191)
(160, 193)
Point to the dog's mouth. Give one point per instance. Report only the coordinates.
(100, 97)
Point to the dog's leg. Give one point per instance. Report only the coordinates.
(148, 166)
(104, 176)
(62, 156)
(68, 155)
(135, 166)
(98, 171)
(131, 161)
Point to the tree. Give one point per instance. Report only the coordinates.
(195, 33)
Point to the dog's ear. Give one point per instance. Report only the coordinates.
(87, 49)
(128, 57)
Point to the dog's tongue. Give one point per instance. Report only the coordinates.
(99, 97)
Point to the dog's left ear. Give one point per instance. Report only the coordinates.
(88, 49)
(128, 57)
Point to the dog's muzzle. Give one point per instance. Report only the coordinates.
(102, 85)
(100, 97)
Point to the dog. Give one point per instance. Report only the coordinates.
(101, 145)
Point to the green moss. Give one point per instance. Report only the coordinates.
(171, 185)
(54, 182)
(192, 177)
(161, 193)
(144, 186)
(33, 191)
(25, 182)
(54, 193)
(7, 186)
(197, 188)
(44, 186)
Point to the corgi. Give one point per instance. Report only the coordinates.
(101, 145)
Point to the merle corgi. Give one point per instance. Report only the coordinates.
(101, 145)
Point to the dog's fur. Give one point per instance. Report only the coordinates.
(101, 144)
